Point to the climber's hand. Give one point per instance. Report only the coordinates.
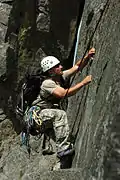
(91, 53)
(87, 80)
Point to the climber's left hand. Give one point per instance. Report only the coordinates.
(91, 53)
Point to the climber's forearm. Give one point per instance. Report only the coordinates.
(60, 92)
(74, 89)
(78, 66)
(71, 71)
(83, 62)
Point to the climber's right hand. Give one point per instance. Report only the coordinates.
(87, 79)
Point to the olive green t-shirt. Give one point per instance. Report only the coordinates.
(45, 98)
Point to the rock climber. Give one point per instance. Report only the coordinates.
(53, 92)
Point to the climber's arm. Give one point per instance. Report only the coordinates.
(80, 64)
(60, 92)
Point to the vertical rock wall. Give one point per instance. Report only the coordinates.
(49, 27)
(96, 113)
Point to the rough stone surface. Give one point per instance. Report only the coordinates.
(94, 112)
(97, 114)
(4, 14)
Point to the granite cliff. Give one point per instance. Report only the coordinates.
(31, 29)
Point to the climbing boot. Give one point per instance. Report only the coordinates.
(66, 158)
(67, 152)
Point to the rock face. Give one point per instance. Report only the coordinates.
(97, 111)
(49, 28)
(4, 14)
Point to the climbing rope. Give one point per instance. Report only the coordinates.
(76, 46)
(37, 118)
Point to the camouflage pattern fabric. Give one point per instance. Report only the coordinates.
(55, 118)
(60, 125)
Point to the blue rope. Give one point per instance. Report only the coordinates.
(77, 42)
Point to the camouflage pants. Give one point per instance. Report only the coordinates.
(60, 125)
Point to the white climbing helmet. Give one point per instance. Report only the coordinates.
(49, 62)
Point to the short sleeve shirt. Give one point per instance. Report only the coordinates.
(45, 99)
(47, 87)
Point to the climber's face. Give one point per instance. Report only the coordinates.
(57, 70)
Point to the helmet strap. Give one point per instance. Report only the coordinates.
(52, 75)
